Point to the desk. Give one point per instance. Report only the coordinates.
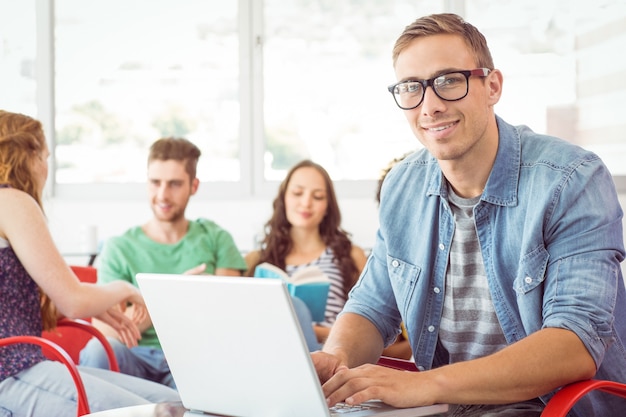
(151, 410)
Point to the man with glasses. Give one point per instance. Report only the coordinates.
(499, 248)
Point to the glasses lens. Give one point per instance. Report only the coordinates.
(451, 86)
(408, 94)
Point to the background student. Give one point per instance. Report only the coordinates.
(167, 243)
(37, 286)
(305, 229)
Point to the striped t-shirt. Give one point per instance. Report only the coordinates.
(469, 326)
(336, 296)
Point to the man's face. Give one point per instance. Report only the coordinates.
(169, 189)
(450, 130)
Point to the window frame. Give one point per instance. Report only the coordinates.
(252, 183)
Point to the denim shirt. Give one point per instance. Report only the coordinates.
(550, 230)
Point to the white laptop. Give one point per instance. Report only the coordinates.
(235, 348)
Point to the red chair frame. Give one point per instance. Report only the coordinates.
(558, 406)
(89, 328)
(73, 334)
(61, 356)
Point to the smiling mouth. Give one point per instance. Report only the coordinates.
(439, 128)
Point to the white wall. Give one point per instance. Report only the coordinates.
(244, 219)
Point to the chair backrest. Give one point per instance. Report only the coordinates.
(72, 339)
(58, 354)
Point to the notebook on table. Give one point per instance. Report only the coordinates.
(235, 348)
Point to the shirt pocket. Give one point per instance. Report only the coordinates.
(403, 277)
(531, 271)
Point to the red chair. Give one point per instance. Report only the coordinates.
(60, 355)
(73, 335)
(558, 406)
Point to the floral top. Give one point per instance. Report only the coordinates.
(20, 313)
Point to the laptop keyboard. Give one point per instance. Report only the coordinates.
(343, 408)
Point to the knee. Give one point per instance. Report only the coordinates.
(94, 355)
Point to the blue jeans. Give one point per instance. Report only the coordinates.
(306, 324)
(47, 389)
(141, 361)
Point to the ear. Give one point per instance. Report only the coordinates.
(494, 86)
(195, 183)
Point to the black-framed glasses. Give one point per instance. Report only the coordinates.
(451, 86)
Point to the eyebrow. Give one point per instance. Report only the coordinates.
(433, 75)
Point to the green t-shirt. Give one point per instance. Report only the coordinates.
(124, 256)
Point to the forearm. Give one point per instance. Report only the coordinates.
(527, 369)
(89, 300)
(354, 340)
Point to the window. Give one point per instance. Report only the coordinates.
(326, 68)
(18, 45)
(259, 85)
(128, 73)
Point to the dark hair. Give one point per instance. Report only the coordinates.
(446, 23)
(21, 142)
(277, 241)
(178, 149)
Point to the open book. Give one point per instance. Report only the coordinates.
(309, 284)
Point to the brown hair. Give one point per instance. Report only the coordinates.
(446, 23)
(277, 241)
(178, 149)
(21, 141)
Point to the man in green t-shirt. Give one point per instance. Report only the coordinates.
(167, 243)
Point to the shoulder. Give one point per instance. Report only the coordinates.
(205, 226)
(209, 229)
(359, 256)
(15, 196)
(538, 148)
(125, 245)
(413, 167)
(16, 203)
(130, 237)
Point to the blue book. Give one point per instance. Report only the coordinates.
(309, 284)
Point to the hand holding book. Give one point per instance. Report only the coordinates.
(310, 284)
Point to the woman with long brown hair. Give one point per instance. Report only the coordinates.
(305, 229)
(37, 286)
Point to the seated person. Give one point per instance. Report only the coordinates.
(167, 243)
(498, 247)
(37, 287)
(305, 229)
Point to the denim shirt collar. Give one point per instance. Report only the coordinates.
(503, 182)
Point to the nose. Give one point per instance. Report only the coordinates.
(432, 104)
(306, 199)
(162, 191)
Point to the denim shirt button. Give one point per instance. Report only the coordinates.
(441, 246)
(436, 290)
(431, 329)
(420, 368)
(395, 263)
(528, 280)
